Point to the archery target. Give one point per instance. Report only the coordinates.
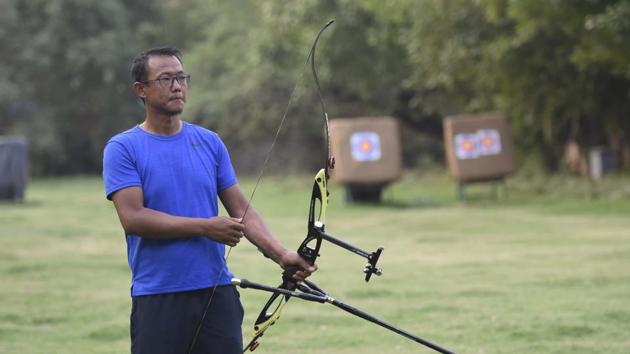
(478, 146)
(485, 142)
(367, 150)
(489, 142)
(365, 146)
(466, 146)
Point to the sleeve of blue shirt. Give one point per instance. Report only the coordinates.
(119, 170)
(225, 172)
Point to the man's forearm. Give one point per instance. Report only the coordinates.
(259, 234)
(151, 223)
(256, 230)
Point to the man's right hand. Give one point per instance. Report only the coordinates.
(226, 230)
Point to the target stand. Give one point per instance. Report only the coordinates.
(479, 150)
(368, 156)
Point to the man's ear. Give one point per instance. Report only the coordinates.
(139, 88)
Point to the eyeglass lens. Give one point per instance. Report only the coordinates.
(167, 81)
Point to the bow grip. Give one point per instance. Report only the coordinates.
(287, 277)
(308, 254)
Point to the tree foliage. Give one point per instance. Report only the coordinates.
(68, 76)
(558, 68)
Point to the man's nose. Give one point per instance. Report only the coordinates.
(175, 85)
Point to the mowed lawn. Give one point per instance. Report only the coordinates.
(545, 270)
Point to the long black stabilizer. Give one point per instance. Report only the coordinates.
(402, 332)
(309, 291)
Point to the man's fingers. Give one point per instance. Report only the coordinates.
(234, 241)
(310, 268)
(301, 275)
(305, 272)
(237, 220)
(236, 228)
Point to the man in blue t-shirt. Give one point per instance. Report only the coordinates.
(164, 177)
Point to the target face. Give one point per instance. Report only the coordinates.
(489, 142)
(485, 142)
(365, 146)
(466, 146)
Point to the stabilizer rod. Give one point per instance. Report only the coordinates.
(402, 332)
(370, 267)
(311, 292)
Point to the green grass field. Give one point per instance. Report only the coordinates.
(545, 270)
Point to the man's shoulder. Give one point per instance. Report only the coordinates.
(197, 129)
(124, 137)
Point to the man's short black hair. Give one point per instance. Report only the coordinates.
(139, 66)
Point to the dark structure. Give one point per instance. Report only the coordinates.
(478, 149)
(368, 155)
(13, 167)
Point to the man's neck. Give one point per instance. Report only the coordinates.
(162, 125)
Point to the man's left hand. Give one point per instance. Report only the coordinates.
(291, 258)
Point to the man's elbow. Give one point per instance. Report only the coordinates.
(128, 226)
(131, 224)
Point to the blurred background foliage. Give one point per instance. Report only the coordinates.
(558, 68)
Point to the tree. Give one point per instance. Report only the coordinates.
(68, 72)
(558, 68)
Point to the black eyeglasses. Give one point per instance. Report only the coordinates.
(167, 81)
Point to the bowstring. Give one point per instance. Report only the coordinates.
(249, 202)
(322, 102)
(311, 57)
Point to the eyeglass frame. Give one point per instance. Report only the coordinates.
(161, 80)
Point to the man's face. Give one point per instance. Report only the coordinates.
(163, 95)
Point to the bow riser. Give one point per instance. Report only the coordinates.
(319, 194)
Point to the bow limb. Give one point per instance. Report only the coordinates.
(308, 249)
(330, 162)
(267, 318)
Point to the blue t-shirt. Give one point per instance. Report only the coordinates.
(179, 175)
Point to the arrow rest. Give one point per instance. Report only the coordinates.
(331, 163)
